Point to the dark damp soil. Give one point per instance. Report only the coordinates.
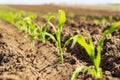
(20, 61)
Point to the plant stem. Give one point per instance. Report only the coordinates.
(59, 46)
(61, 55)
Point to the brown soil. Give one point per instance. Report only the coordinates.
(20, 61)
(76, 9)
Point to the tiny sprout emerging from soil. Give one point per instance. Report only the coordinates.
(96, 21)
(104, 21)
(57, 31)
(110, 18)
(32, 33)
(83, 17)
(8, 16)
(71, 15)
(90, 49)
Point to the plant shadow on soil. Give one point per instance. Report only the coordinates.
(19, 61)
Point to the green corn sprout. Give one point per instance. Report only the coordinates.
(56, 38)
(110, 18)
(8, 17)
(42, 30)
(36, 31)
(24, 22)
(90, 49)
(33, 33)
(96, 21)
(71, 15)
(104, 21)
(83, 17)
(18, 18)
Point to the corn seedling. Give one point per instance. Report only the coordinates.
(110, 18)
(57, 31)
(90, 49)
(18, 17)
(33, 30)
(96, 21)
(24, 22)
(83, 17)
(8, 17)
(104, 21)
(71, 15)
(33, 34)
(42, 30)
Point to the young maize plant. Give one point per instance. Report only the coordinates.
(104, 21)
(19, 18)
(8, 17)
(90, 49)
(96, 21)
(42, 30)
(57, 32)
(24, 22)
(12, 17)
(33, 30)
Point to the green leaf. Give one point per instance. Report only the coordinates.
(42, 31)
(67, 42)
(61, 19)
(100, 43)
(112, 28)
(80, 39)
(91, 71)
(52, 27)
(76, 72)
(51, 37)
(75, 38)
(89, 49)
